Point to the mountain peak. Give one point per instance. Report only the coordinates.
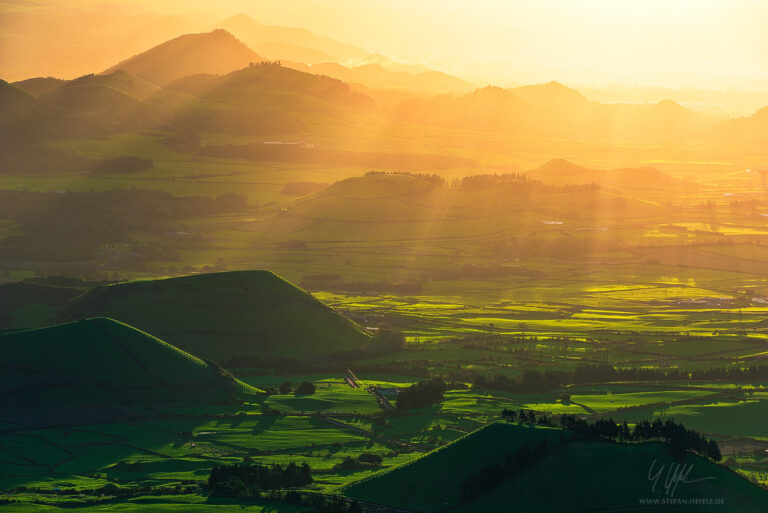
(216, 52)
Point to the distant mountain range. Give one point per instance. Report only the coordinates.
(300, 41)
(214, 81)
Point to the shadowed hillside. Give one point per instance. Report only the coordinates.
(227, 317)
(72, 368)
(588, 474)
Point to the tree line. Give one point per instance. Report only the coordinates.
(248, 478)
(533, 380)
(679, 438)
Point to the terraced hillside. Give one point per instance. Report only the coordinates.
(98, 367)
(243, 315)
(572, 475)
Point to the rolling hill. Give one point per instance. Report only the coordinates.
(118, 80)
(28, 304)
(442, 471)
(395, 206)
(230, 316)
(39, 85)
(261, 99)
(99, 366)
(215, 52)
(274, 86)
(95, 105)
(574, 475)
(561, 172)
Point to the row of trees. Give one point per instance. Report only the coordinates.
(680, 438)
(493, 475)
(526, 417)
(247, 478)
(533, 380)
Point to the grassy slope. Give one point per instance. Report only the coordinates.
(601, 476)
(98, 361)
(577, 475)
(220, 315)
(442, 471)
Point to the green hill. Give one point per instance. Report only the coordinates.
(70, 368)
(574, 475)
(604, 476)
(443, 470)
(28, 305)
(225, 316)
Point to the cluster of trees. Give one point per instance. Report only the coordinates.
(364, 460)
(680, 439)
(533, 380)
(428, 177)
(247, 478)
(493, 475)
(526, 417)
(304, 388)
(422, 394)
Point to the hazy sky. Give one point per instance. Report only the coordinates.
(679, 43)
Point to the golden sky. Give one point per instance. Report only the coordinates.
(711, 44)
